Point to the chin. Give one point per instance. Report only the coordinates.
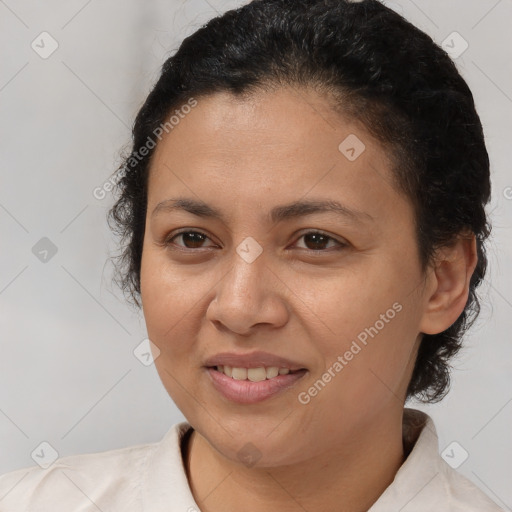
(253, 445)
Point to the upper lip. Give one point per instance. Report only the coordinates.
(252, 360)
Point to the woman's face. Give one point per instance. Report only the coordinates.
(345, 305)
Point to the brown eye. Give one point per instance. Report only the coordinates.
(318, 241)
(190, 239)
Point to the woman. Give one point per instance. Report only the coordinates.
(303, 219)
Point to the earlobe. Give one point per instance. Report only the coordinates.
(451, 274)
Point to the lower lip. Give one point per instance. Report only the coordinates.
(247, 392)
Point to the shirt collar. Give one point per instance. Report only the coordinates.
(166, 487)
(419, 478)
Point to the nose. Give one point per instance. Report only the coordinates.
(248, 296)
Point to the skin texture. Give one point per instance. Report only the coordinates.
(244, 157)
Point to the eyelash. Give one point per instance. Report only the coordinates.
(341, 245)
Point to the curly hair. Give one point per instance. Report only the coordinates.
(376, 68)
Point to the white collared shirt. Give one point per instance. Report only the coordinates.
(152, 478)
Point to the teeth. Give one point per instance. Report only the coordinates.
(239, 373)
(256, 374)
(273, 371)
(253, 374)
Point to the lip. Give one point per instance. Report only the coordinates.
(252, 360)
(247, 392)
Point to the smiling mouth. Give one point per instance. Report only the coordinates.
(254, 374)
(251, 385)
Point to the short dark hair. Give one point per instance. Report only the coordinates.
(380, 70)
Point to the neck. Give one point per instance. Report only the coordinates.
(349, 477)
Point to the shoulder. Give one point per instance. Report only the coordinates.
(105, 480)
(425, 481)
(461, 493)
(76, 480)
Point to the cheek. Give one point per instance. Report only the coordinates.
(170, 295)
(170, 306)
(355, 302)
(381, 370)
(372, 325)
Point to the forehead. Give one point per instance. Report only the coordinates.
(286, 143)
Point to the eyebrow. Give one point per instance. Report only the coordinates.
(277, 214)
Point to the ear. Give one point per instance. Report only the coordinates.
(448, 288)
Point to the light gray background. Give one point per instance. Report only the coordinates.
(68, 375)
